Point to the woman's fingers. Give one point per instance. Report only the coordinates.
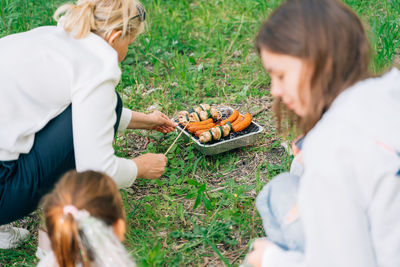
(162, 123)
(161, 129)
(166, 121)
(169, 129)
(164, 129)
(150, 166)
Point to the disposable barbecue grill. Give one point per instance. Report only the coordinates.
(234, 140)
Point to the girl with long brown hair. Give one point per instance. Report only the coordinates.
(85, 219)
(342, 209)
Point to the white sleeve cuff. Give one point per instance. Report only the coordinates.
(126, 117)
(126, 173)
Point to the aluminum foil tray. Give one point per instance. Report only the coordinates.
(234, 140)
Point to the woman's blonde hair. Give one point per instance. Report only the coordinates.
(102, 17)
(91, 191)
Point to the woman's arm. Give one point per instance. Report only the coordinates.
(94, 134)
(93, 119)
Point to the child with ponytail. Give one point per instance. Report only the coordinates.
(341, 206)
(85, 220)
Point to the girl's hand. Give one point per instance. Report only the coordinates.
(150, 166)
(255, 257)
(160, 122)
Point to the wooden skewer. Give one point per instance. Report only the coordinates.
(176, 139)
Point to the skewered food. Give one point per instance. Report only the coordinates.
(216, 133)
(183, 119)
(205, 122)
(194, 117)
(215, 114)
(202, 107)
(204, 115)
(198, 114)
(182, 113)
(199, 132)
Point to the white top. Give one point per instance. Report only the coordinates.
(44, 70)
(349, 195)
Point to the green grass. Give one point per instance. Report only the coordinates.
(201, 212)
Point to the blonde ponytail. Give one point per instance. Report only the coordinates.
(101, 17)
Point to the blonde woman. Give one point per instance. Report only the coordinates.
(58, 105)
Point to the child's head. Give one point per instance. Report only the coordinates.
(123, 19)
(313, 50)
(84, 210)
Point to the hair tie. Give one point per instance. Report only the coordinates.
(78, 215)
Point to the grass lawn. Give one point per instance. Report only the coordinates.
(201, 212)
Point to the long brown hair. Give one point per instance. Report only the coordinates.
(92, 191)
(330, 39)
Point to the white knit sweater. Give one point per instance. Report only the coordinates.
(44, 70)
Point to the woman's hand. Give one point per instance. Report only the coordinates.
(160, 122)
(255, 257)
(153, 121)
(150, 166)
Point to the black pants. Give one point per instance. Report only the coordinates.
(23, 182)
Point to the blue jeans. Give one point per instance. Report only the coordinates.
(275, 201)
(24, 181)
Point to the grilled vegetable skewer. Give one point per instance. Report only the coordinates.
(198, 114)
(194, 117)
(202, 107)
(215, 114)
(215, 133)
(183, 120)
